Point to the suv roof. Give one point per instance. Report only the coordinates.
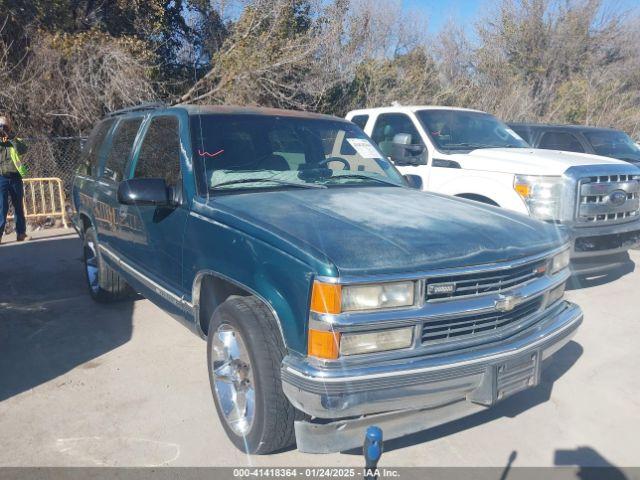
(224, 110)
(557, 126)
(409, 108)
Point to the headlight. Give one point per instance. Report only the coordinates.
(333, 298)
(356, 343)
(542, 195)
(330, 345)
(560, 261)
(373, 297)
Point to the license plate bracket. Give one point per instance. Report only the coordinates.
(507, 378)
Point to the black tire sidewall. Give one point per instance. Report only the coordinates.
(90, 236)
(228, 314)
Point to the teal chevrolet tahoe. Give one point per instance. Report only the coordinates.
(333, 294)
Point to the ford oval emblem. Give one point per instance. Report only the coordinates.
(617, 197)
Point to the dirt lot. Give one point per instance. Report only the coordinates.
(124, 385)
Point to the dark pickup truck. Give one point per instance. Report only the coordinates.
(606, 142)
(331, 294)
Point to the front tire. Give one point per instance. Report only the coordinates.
(244, 353)
(104, 283)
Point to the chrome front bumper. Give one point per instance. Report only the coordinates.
(597, 249)
(414, 394)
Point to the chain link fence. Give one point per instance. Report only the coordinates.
(54, 157)
(51, 157)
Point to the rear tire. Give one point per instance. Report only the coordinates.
(104, 283)
(244, 353)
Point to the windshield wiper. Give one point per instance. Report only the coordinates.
(270, 180)
(367, 177)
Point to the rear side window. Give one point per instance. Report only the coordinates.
(360, 120)
(91, 151)
(160, 152)
(560, 141)
(121, 145)
(388, 126)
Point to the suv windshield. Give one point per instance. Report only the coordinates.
(613, 144)
(239, 152)
(458, 130)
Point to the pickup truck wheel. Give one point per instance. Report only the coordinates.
(244, 353)
(105, 285)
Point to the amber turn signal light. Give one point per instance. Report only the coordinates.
(326, 298)
(324, 344)
(523, 189)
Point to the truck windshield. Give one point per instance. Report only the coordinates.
(240, 152)
(457, 130)
(613, 144)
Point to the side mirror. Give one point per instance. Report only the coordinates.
(143, 191)
(414, 181)
(403, 152)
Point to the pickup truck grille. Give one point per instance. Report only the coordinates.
(459, 328)
(474, 284)
(608, 199)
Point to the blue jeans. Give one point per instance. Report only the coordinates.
(12, 187)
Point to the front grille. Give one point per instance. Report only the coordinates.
(473, 325)
(597, 197)
(473, 284)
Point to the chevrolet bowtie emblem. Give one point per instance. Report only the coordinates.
(506, 303)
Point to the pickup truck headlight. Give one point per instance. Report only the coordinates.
(334, 298)
(384, 340)
(541, 194)
(560, 261)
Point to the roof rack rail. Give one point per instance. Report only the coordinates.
(137, 108)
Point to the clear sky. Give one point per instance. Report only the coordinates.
(439, 12)
(465, 12)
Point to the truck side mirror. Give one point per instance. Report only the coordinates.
(414, 181)
(143, 191)
(403, 152)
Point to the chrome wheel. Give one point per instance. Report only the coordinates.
(233, 379)
(91, 264)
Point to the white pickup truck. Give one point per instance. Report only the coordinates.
(473, 155)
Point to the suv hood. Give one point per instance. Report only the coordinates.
(366, 230)
(527, 161)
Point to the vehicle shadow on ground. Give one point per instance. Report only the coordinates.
(577, 282)
(48, 323)
(563, 360)
(593, 466)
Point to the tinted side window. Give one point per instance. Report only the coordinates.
(121, 145)
(360, 120)
(90, 152)
(560, 141)
(160, 152)
(388, 125)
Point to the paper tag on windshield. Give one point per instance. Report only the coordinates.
(364, 148)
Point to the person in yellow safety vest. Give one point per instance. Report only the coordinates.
(12, 170)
